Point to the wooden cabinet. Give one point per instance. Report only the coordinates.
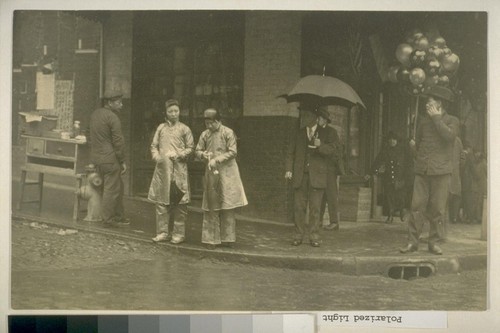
(56, 156)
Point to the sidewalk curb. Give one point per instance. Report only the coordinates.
(348, 265)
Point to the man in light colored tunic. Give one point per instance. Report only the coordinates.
(172, 145)
(223, 187)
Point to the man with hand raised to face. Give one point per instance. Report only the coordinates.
(433, 148)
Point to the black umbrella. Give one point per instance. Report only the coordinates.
(325, 90)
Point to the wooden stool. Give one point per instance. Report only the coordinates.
(76, 205)
(28, 183)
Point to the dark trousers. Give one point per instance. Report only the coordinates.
(112, 196)
(330, 197)
(305, 195)
(455, 202)
(430, 194)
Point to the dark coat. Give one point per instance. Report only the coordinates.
(106, 138)
(318, 158)
(393, 161)
(434, 143)
(335, 160)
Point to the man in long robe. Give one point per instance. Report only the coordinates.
(224, 190)
(172, 145)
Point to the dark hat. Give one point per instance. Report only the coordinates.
(171, 102)
(440, 92)
(211, 114)
(323, 112)
(112, 94)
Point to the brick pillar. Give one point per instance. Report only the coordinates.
(117, 71)
(272, 67)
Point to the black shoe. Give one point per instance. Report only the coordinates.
(434, 249)
(121, 221)
(227, 244)
(210, 246)
(296, 242)
(332, 226)
(409, 248)
(314, 243)
(109, 224)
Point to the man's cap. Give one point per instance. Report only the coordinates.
(323, 112)
(440, 92)
(171, 102)
(112, 94)
(210, 114)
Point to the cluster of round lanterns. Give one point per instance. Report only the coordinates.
(423, 63)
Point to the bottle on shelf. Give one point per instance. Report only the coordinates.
(76, 129)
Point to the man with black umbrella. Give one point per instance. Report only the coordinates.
(306, 166)
(433, 147)
(172, 145)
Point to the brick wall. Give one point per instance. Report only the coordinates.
(272, 66)
(272, 61)
(59, 32)
(262, 152)
(117, 68)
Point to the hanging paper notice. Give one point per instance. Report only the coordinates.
(45, 84)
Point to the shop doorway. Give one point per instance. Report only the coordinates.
(195, 57)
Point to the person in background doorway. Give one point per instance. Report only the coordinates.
(391, 164)
(334, 169)
(171, 147)
(435, 137)
(224, 190)
(467, 180)
(455, 198)
(478, 170)
(107, 144)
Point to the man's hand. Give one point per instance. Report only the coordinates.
(412, 144)
(432, 110)
(206, 155)
(288, 175)
(172, 155)
(317, 142)
(212, 164)
(156, 157)
(124, 168)
(367, 177)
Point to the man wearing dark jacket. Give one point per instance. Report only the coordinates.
(335, 169)
(106, 140)
(435, 137)
(306, 166)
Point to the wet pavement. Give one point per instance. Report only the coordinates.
(368, 248)
(64, 269)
